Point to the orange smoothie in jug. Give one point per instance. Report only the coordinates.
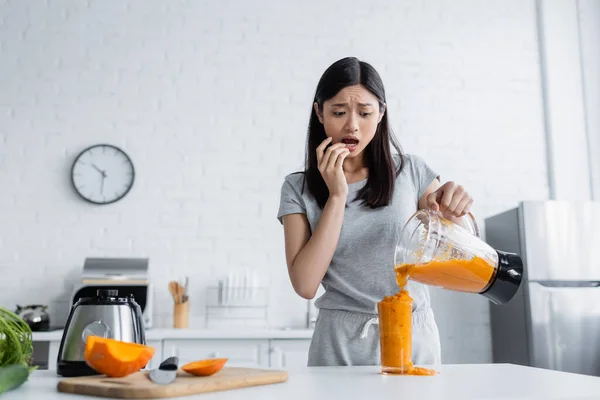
(471, 276)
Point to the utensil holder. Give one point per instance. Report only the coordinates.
(181, 315)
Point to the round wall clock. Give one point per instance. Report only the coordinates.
(102, 174)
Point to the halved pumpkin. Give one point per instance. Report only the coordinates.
(115, 358)
(205, 367)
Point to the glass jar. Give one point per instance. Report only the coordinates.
(395, 333)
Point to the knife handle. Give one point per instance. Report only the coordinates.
(170, 364)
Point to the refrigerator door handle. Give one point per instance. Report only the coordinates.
(568, 284)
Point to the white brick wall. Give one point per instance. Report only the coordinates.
(211, 100)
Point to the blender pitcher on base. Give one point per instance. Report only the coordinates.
(436, 251)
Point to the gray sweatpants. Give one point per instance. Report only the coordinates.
(350, 338)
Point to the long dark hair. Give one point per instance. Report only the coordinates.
(379, 188)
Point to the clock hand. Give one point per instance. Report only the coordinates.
(98, 169)
(102, 184)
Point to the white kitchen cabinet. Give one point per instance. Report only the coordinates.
(241, 353)
(288, 353)
(53, 354)
(157, 358)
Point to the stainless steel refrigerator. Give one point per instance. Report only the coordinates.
(553, 321)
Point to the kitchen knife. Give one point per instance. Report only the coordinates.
(166, 371)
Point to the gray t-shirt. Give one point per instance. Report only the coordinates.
(361, 272)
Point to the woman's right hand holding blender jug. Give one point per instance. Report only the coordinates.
(451, 199)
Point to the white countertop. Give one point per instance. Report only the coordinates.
(460, 382)
(231, 333)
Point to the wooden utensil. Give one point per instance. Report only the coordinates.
(173, 289)
(139, 386)
(179, 293)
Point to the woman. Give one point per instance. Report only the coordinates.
(341, 216)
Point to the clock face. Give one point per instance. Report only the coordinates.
(102, 174)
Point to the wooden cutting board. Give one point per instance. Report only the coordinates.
(139, 385)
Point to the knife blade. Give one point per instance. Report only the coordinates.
(166, 371)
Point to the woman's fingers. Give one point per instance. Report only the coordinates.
(457, 197)
(446, 199)
(335, 153)
(464, 206)
(340, 160)
(321, 149)
(325, 161)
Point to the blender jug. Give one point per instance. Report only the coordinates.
(438, 252)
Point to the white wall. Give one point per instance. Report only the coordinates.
(211, 100)
(589, 33)
(564, 100)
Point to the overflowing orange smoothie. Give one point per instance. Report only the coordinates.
(395, 331)
(395, 335)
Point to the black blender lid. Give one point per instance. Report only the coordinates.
(507, 280)
(107, 293)
(105, 297)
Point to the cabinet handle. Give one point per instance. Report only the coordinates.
(277, 357)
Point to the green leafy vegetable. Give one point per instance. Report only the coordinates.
(13, 376)
(16, 350)
(16, 340)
